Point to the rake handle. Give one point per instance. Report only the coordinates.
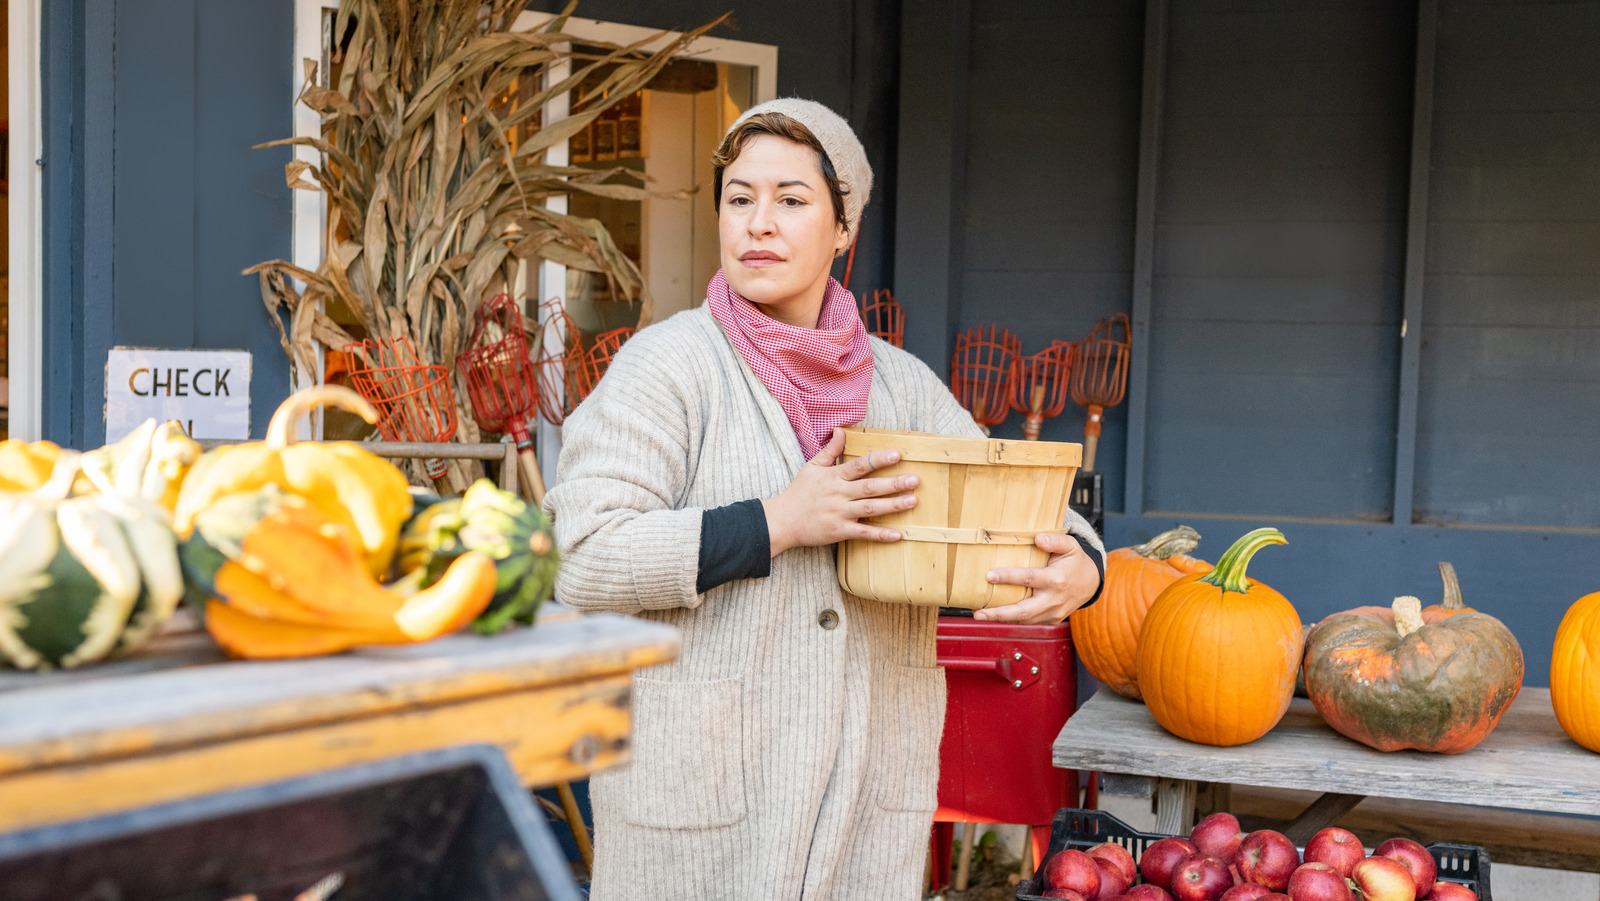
(1035, 420)
(528, 466)
(1091, 436)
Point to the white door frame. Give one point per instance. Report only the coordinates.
(26, 300)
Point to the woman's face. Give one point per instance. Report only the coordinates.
(778, 229)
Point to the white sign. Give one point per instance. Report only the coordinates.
(208, 391)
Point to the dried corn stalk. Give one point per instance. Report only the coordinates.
(432, 200)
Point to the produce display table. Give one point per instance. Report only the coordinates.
(1527, 763)
(180, 721)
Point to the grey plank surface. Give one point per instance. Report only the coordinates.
(1527, 763)
(1278, 252)
(192, 693)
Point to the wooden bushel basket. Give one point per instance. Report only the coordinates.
(980, 503)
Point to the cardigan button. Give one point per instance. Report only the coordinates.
(828, 619)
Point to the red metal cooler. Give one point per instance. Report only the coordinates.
(1012, 688)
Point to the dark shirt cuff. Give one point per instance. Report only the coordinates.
(1094, 554)
(734, 544)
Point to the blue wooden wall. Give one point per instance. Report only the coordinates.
(1278, 152)
(154, 200)
(1241, 179)
(1510, 379)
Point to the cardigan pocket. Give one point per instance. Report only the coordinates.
(688, 754)
(905, 764)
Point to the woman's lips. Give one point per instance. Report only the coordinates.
(760, 259)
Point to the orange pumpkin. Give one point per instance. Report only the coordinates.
(1575, 672)
(1106, 633)
(1402, 677)
(1218, 652)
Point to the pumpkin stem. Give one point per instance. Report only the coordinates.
(1181, 540)
(280, 431)
(1229, 574)
(1407, 615)
(1452, 587)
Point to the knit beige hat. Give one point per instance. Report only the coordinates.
(844, 149)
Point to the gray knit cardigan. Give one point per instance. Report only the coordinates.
(792, 750)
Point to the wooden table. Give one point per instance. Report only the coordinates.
(1527, 763)
(181, 721)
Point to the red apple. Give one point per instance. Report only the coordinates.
(1112, 880)
(1384, 879)
(1147, 892)
(1162, 857)
(1065, 894)
(1113, 853)
(1217, 835)
(1276, 896)
(1200, 878)
(1338, 848)
(1411, 855)
(1245, 892)
(1450, 891)
(1072, 869)
(1267, 858)
(1318, 881)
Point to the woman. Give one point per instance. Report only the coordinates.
(792, 750)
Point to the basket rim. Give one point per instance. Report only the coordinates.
(926, 447)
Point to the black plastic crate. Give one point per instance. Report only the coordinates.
(1083, 829)
(452, 825)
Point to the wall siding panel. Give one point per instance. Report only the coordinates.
(1278, 254)
(1510, 370)
(242, 210)
(1052, 163)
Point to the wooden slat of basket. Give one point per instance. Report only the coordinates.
(921, 448)
(972, 536)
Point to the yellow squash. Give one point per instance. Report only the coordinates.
(345, 482)
(26, 466)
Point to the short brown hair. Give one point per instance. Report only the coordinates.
(781, 126)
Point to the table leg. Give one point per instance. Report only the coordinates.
(1175, 806)
(580, 833)
(1322, 813)
(969, 834)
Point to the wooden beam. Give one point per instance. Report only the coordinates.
(1175, 806)
(1323, 812)
(1405, 448)
(935, 48)
(550, 735)
(1151, 108)
(1515, 837)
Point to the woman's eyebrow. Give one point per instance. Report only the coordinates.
(781, 184)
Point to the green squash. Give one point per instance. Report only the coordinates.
(81, 578)
(500, 524)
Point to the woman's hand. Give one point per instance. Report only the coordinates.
(825, 503)
(1061, 586)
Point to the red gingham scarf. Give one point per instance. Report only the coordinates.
(820, 376)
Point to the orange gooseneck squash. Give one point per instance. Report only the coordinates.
(1218, 653)
(1575, 672)
(1106, 633)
